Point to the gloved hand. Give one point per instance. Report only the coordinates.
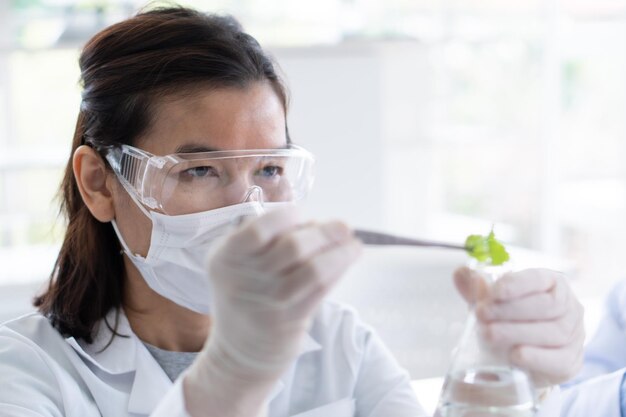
(534, 313)
(268, 278)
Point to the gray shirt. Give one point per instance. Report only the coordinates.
(173, 363)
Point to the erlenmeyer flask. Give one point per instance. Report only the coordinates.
(481, 382)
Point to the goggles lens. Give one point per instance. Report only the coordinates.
(195, 182)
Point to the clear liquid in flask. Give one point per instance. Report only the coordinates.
(490, 391)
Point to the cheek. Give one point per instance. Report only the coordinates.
(134, 226)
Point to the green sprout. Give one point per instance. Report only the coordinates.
(486, 249)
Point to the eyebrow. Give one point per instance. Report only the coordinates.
(194, 148)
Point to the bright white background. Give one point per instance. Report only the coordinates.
(431, 118)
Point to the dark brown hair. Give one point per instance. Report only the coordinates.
(125, 70)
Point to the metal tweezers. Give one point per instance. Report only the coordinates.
(377, 238)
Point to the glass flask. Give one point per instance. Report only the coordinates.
(481, 382)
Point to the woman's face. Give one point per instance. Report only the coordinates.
(211, 119)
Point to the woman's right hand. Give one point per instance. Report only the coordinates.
(268, 278)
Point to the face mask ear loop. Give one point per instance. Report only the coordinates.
(125, 247)
(130, 193)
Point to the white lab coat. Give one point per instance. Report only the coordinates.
(342, 370)
(596, 390)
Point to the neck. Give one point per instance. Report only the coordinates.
(159, 321)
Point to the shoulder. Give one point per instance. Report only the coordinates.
(31, 345)
(40, 370)
(33, 332)
(27, 326)
(27, 370)
(28, 343)
(27, 331)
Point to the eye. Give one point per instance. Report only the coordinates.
(270, 171)
(201, 172)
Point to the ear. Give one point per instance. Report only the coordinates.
(91, 177)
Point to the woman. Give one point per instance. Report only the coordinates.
(181, 150)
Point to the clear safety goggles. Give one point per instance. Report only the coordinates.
(185, 183)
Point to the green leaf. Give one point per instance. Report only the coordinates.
(477, 247)
(486, 249)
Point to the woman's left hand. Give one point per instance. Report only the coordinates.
(536, 315)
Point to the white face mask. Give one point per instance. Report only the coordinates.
(175, 266)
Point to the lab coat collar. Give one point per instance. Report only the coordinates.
(110, 354)
(150, 385)
(126, 353)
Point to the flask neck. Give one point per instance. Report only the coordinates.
(489, 273)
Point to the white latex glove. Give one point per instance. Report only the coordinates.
(268, 278)
(534, 313)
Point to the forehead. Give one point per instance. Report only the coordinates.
(251, 117)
